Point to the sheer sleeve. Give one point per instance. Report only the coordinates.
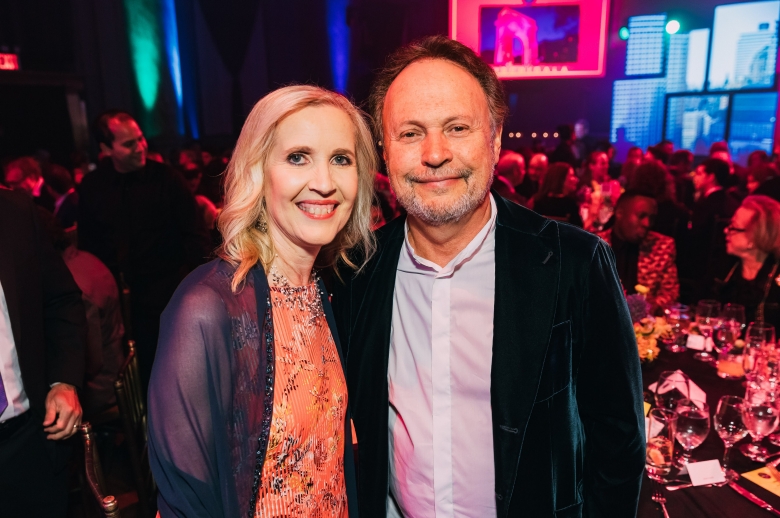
(187, 444)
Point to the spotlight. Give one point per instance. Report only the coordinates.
(518, 135)
(545, 134)
(623, 33)
(555, 135)
(673, 26)
(511, 135)
(533, 135)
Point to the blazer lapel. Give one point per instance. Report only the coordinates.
(527, 276)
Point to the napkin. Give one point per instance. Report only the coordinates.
(689, 389)
(762, 477)
(699, 343)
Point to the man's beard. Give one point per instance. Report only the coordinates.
(439, 213)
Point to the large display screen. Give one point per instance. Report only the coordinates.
(744, 46)
(696, 122)
(752, 124)
(541, 39)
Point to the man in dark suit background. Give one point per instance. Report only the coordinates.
(491, 362)
(42, 337)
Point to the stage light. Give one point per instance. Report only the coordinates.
(511, 135)
(145, 48)
(533, 135)
(555, 135)
(672, 26)
(624, 33)
(518, 135)
(339, 39)
(545, 134)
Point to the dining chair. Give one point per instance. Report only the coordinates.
(132, 411)
(107, 504)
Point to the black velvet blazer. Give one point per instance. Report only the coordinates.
(566, 388)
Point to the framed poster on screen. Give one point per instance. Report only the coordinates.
(534, 38)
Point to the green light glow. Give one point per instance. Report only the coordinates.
(624, 34)
(145, 47)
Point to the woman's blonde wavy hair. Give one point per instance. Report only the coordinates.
(243, 244)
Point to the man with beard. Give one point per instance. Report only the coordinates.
(491, 362)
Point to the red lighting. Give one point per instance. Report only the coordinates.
(9, 62)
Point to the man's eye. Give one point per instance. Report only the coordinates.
(296, 158)
(342, 160)
(408, 134)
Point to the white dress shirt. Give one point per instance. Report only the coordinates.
(9, 366)
(441, 350)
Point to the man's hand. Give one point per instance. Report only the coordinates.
(63, 412)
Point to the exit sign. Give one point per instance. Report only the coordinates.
(9, 62)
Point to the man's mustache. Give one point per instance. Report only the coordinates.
(434, 175)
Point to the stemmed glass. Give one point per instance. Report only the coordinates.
(693, 426)
(659, 458)
(679, 317)
(760, 415)
(707, 314)
(729, 425)
(732, 321)
(672, 387)
(759, 342)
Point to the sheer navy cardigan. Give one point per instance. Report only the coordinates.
(211, 396)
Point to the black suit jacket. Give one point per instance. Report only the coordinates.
(44, 303)
(566, 389)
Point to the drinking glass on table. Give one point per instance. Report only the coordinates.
(707, 317)
(659, 458)
(672, 387)
(760, 415)
(732, 322)
(729, 425)
(693, 426)
(679, 317)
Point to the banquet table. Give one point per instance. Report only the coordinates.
(705, 502)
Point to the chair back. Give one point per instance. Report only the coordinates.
(108, 505)
(124, 302)
(132, 410)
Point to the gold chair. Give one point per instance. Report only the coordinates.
(107, 504)
(132, 410)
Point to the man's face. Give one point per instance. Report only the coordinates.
(634, 218)
(14, 177)
(128, 150)
(439, 145)
(537, 167)
(702, 180)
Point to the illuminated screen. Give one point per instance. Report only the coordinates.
(645, 49)
(637, 113)
(744, 46)
(529, 35)
(687, 61)
(696, 122)
(752, 124)
(547, 38)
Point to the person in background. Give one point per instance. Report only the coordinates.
(139, 218)
(672, 217)
(667, 147)
(563, 152)
(758, 157)
(24, 174)
(510, 173)
(537, 168)
(555, 198)
(680, 166)
(598, 191)
(769, 186)
(641, 255)
(635, 154)
(737, 173)
(711, 212)
(758, 174)
(386, 197)
(66, 200)
(753, 241)
(42, 336)
(193, 175)
(584, 144)
(614, 167)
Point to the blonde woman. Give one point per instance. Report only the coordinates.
(248, 406)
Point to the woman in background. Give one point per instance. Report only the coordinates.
(555, 198)
(248, 407)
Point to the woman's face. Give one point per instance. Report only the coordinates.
(752, 184)
(600, 167)
(738, 242)
(311, 179)
(570, 185)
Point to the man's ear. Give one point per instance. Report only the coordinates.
(497, 142)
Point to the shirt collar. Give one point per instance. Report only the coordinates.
(713, 189)
(417, 264)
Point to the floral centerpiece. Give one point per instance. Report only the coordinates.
(647, 328)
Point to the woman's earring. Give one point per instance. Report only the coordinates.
(261, 224)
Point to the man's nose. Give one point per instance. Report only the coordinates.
(435, 150)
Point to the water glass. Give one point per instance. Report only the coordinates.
(732, 322)
(693, 426)
(659, 458)
(707, 318)
(679, 317)
(760, 415)
(729, 425)
(672, 387)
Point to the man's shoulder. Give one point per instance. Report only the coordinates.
(15, 200)
(660, 243)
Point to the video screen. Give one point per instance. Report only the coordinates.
(529, 35)
(696, 122)
(744, 46)
(752, 124)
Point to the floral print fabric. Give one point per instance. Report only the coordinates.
(303, 471)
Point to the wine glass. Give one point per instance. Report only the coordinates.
(679, 317)
(753, 361)
(760, 415)
(693, 426)
(672, 386)
(659, 458)
(729, 425)
(732, 321)
(761, 334)
(707, 315)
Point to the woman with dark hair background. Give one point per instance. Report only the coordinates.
(555, 198)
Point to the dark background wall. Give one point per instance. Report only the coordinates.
(234, 52)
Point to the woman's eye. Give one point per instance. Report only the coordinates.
(342, 160)
(296, 158)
